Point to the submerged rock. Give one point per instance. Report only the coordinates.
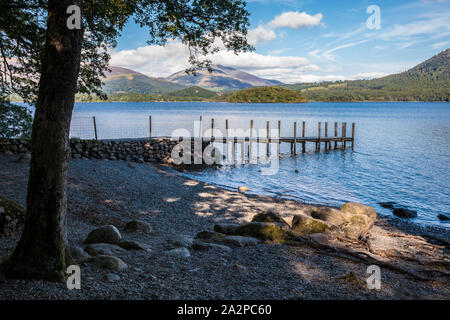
(106, 234)
(387, 205)
(443, 217)
(405, 213)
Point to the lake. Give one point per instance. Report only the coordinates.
(401, 155)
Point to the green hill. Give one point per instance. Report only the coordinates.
(193, 93)
(429, 81)
(266, 95)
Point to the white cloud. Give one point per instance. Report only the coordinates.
(441, 44)
(260, 35)
(158, 61)
(296, 20)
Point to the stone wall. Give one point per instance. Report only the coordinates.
(156, 149)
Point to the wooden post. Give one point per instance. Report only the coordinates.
(353, 136)
(150, 125)
(95, 129)
(326, 136)
(295, 138)
(226, 137)
(279, 137)
(200, 130)
(320, 131)
(212, 129)
(250, 145)
(344, 133)
(335, 134)
(267, 137)
(303, 135)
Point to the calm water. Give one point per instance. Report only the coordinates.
(402, 150)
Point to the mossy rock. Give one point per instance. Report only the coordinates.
(358, 208)
(271, 217)
(264, 231)
(12, 217)
(358, 219)
(304, 225)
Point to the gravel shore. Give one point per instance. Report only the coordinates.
(103, 192)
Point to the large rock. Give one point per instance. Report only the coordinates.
(209, 236)
(110, 262)
(226, 228)
(358, 208)
(239, 241)
(263, 231)
(179, 253)
(272, 217)
(12, 217)
(330, 215)
(206, 246)
(304, 225)
(179, 241)
(78, 255)
(138, 226)
(105, 234)
(107, 249)
(133, 245)
(321, 238)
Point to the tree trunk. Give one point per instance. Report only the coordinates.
(42, 252)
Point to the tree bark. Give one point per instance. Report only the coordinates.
(42, 252)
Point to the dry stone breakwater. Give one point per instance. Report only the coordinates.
(149, 150)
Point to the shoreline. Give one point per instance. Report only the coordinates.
(102, 192)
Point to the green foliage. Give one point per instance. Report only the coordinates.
(193, 92)
(15, 121)
(197, 23)
(428, 81)
(266, 95)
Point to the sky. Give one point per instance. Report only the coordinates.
(310, 41)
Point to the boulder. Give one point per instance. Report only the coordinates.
(329, 215)
(78, 255)
(405, 213)
(304, 225)
(138, 226)
(263, 231)
(443, 217)
(239, 241)
(209, 236)
(226, 228)
(321, 238)
(206, 246)
(110, 262)
(273, 217)
(179, 252)
(358, 208)
(132, 245)
(105, 234)
(12, 217)
(107, 249)
(179, 242)
(358, 219)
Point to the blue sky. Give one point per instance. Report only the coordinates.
(310, 40)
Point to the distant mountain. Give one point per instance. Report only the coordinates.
(221, 79)
(122, 80)
(428, 81)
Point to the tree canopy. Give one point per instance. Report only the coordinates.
(197, 23)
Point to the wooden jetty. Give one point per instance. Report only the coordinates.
(329, 142)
